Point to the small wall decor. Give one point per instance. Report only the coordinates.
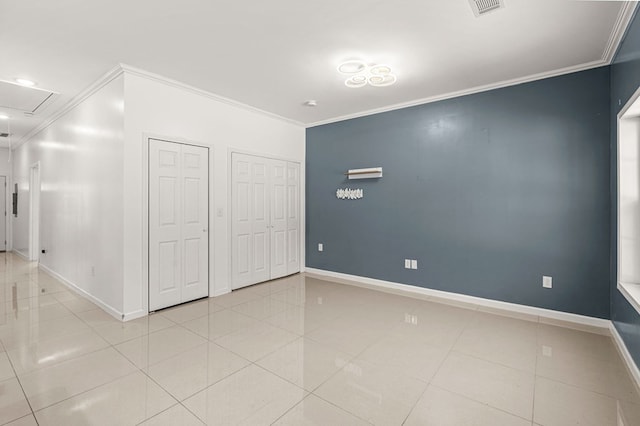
(349, 194)
(372, 172)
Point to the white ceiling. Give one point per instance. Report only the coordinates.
(274, 55)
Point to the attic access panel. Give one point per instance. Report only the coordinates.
(22, 98)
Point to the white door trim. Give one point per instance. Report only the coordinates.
(146, 136)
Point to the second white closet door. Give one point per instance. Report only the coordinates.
(262, 220)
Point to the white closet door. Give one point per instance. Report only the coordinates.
(165, 260)
(293, 218)
(178, 223)
(278, 195)
(195, 222)
(259, 213)
(263, 222)
(250, 220)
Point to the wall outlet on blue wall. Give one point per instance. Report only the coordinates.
(410, 264)
(547, 282)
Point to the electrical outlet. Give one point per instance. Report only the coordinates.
(407, 264)
(547, 351)
(414, 264)
(547, 282)
(320, 247)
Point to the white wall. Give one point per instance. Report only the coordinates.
(81, 170)
(165, 110)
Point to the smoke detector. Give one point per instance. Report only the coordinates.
(482, 7)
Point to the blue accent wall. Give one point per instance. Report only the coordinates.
(625, 80)
(489, 192)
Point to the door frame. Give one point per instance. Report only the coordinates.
(34, 211)
(146, 137)
(301, 198)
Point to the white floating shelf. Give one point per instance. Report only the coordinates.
(372, 172)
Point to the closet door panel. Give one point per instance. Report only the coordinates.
(293, 218)
(278, 189)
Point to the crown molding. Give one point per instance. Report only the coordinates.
(471, 91)
(177, 84)
(627, 10)
(625, 15)
(74, 102)
(121, 69)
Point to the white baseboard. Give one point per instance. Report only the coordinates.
(134, 315)
(421, 292)
(626, 356)
(107, 308)
(21, 255)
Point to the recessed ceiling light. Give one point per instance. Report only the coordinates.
(310, 103)
(25, 82)
(351, 67)
(4, 117)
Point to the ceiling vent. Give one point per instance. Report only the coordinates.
(482, 7)
(28, 100)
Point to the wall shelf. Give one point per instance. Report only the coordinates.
(370, 173)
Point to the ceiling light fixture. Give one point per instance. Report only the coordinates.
(362, 74)
(351, 67)
(25, 82)
(4, 117)
(310, 103)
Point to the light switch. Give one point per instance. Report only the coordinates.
(407, 264)
(547, 282)
(320, 247)
(414, 264)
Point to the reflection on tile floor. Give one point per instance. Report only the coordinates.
(297, 351)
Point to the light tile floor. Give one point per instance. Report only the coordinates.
(297, 351)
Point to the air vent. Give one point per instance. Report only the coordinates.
(4, 135)
(482, 7)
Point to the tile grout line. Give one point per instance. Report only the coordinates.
(535, 376)
(482, 403)
(21, 388)
(588, 390)
(464, 328)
